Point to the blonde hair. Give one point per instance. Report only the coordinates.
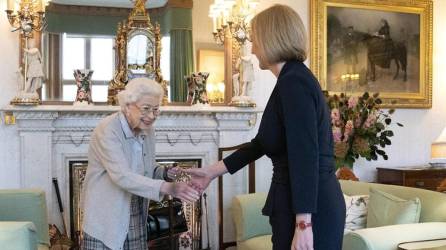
(137, 88)
(280, 34)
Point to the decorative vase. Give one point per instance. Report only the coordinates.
(196, 88)
(346, 173)
(83, 83)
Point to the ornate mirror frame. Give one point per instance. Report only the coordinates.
(137, 23)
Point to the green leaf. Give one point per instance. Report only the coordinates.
(375, 95)
(380, 152)
(391, 111)
(388, 133)
(379, 126)
(378, 101)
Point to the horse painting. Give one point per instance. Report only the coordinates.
(381, 52)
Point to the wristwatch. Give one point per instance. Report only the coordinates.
(302, 225)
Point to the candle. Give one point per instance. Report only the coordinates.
(214, 24)
(219, 22)
(10, 5)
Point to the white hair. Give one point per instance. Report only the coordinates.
(137, 88)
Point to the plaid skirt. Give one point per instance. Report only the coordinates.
(137, 235)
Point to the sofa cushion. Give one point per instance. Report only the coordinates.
(356, 211)
(18, 235)
(434, 203)
(386, 209)
(257, 243)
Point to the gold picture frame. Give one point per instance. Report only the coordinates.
(353, 50)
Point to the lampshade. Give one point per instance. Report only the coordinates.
(438, 149)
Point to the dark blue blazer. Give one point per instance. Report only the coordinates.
(295, 132)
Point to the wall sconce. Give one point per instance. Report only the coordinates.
(232, 16)
(26, 15)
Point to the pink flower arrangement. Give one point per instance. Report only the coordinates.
(359, 128)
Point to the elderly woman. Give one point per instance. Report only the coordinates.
(305, 204)
(121, 174)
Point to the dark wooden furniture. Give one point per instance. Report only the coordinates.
(422, 177)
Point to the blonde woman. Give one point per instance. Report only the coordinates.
(121, 174)
(305, 204)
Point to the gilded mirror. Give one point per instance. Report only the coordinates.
(138, 46)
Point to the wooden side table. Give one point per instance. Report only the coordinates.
(421, 177)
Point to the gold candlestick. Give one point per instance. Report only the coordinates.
(29, 17)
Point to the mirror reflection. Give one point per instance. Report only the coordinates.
(83, 37)
(140, 55)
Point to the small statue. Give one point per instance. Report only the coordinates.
(34, 73)
(247, 71)
(29, 78)
(242, 81)
(83, 82)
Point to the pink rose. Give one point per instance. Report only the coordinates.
(335, 116)
(337, 134)
(371, 119)
(348, 130)
(352, 101)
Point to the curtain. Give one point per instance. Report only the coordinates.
(181, 62)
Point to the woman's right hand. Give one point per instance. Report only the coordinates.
(180, 190)
(200, 178)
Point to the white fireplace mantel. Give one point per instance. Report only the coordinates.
(50, 136)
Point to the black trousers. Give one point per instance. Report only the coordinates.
(328, 222)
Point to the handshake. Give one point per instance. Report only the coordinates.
(187, 191)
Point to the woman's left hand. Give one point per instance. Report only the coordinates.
(303, 239)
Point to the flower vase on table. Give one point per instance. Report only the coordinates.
(83, 83)
(360, 129)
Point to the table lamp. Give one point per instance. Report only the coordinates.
(438, 151)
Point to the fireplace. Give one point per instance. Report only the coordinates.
(50, 138)
(190, 240)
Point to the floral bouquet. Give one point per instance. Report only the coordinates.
(359, 128)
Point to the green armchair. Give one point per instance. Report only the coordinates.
(253, 231)
(23, 220)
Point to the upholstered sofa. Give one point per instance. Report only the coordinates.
(23, 220)
(253, 230)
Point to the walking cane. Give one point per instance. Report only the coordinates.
(64, 241)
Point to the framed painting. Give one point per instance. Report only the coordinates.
(380, 46)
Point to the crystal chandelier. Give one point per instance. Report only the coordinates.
(232, 16)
